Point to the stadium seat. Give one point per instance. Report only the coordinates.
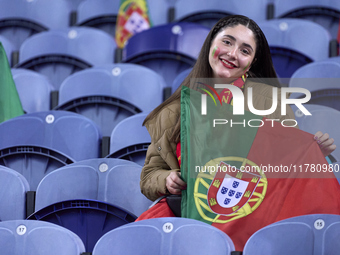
(168, 236)
(34, 90)
(130, 139)
(167, 49)
(35, 144)
(161, 11)
(114, 181)
(321, 79)
(91, 197)
(101, 14)
(179, 79)
(334, 59)
(292, 43)
(312, 234)
(31, 237)
(60, 53)
(108, 94)
(75, 4)
(89, 219)
(21, 19)
(8, 47)
(325, 13)
(209, 12)
(323, 119)
(13, 188)
(328, 68)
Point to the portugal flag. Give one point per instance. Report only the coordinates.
(244, 172)
(10, 105)
(133, 17)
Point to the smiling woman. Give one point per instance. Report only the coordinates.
(235, 50)
(232, 52)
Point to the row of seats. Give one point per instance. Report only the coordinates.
(312, 234)
(110, 94)
(105, 94)
(76, 196)
(37, 15)
(60, 53)
(42, 86)
(60, 140)
(50, 140)
(323, 118)
(118, 84)
(35, 89)
(54, 139)
(325, 13)
(16, 203)
(166, 49)
(321, 79)
(89, 197)
(37, 95)
(28, 237)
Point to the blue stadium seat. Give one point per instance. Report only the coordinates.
(312, 234)
(179, 79)
(34, 90)
(8, 47)
(292, 43)
(37, 143)
(13, 188)
(325, 13)
(336, 59)
(101, 14)
(91, 197)
(89, 219)
(31, 237)
(328, 68)
(167, 49)
(130, 139)
(159, 11)
(323, 119)
(75, 4)
(60, 53)
(321, 78)
(108, 94)
(209, 12)
(114, 181)
(21, 19)
(168, 236)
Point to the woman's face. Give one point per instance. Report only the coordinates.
(232, 52)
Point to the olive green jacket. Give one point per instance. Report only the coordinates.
(161, 156)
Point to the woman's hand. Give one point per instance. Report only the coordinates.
(326, 144)
(175, 184)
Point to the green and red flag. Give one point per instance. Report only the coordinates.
(10, 104)
(244, 172)
(133, 17)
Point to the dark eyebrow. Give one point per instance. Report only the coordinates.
(234, 39)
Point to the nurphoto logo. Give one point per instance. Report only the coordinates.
(238, 101)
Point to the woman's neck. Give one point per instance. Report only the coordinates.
(223, 81)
